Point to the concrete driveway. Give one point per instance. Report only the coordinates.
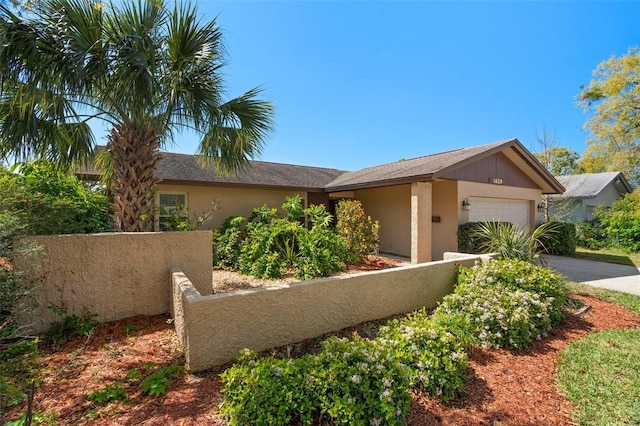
(598, 274)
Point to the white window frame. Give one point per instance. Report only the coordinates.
(160, 215)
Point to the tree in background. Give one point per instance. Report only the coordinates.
(559, 161)
(614, 97)
(145, 69)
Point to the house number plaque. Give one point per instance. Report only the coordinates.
(495, 180)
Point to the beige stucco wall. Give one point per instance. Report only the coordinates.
(445, 206)
(114, 275)
(233, 201)
(214, 328)
(474, 189)
(391, 206)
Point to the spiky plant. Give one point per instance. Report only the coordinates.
(512, 242)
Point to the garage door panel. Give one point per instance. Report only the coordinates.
(503, 210)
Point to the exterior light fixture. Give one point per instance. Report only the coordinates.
(466, 205)
(541, 208)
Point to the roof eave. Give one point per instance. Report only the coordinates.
(379, 183)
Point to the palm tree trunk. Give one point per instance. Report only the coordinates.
(134, 151)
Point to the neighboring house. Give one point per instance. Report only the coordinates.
(419, 202)
(585, 192)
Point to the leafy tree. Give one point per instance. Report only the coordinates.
(145, 69)
(614, 97)
(621, 221)
(42, 200)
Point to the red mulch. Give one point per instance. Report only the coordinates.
(506, 388)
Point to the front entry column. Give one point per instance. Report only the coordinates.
(421, 212)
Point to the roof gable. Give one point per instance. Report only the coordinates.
(590, 185)
(431, 167)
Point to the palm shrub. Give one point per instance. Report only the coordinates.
(359, 230)
(512, 242)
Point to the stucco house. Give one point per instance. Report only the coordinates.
(419, 202)
(585, 192)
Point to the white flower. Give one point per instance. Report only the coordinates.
(356, 379)
(376, 422)
(387, 383)
(385, 394)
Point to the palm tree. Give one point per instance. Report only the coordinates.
(145, 69)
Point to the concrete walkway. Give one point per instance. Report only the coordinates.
(598, 274)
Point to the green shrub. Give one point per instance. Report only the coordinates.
(227, 244)
(435, 357)
(269, 391)
(361, 382)
(359, 230)
(46, 201)
(520, 275)
(621, 221)
(499, 316)
(274, 245)
(507, 303)
(589, 234)
(563, 243)
(320, 253)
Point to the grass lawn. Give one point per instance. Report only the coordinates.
(601, 372)
(609, 255)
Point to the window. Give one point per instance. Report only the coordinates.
(168, 205)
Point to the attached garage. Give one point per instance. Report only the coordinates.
(497, 209)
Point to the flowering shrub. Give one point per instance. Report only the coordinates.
(361, 382)
(498, 315)
(268, 391)
(435, 357)
(520, 275)
(507, 303)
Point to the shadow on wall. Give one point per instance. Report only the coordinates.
(113, 275)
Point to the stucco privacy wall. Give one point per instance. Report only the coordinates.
(233, 201)
(114, 275)
(213, 329)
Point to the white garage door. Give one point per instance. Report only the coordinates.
(493, 209)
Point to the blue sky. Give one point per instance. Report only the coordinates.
(361, 83)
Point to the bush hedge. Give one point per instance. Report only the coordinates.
(564, 240)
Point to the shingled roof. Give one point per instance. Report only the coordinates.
(589, 185)
(431, 167)
(185, 169)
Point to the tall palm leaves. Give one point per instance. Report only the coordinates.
(145, 69)
(512, 242)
